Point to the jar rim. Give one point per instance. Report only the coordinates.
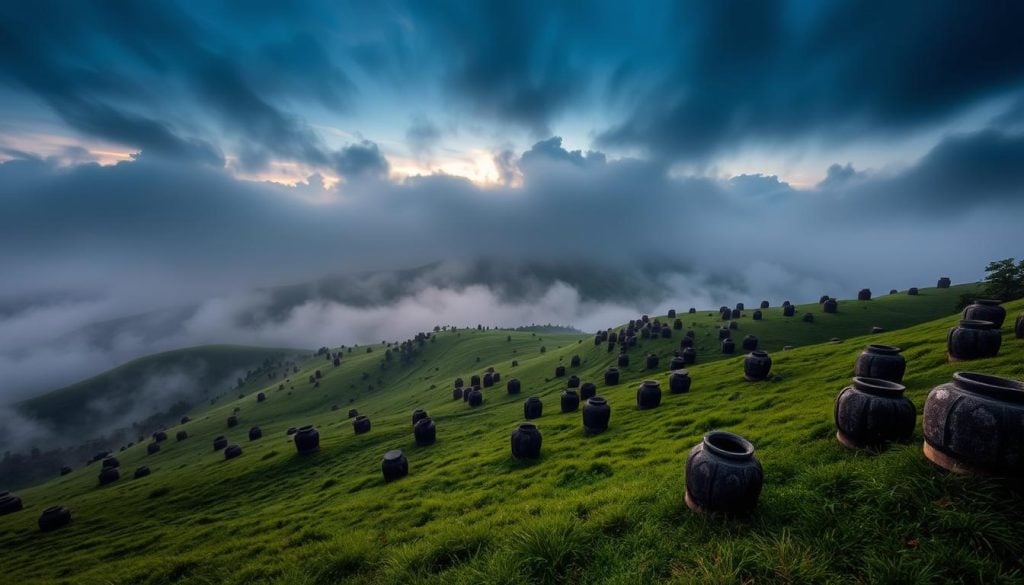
(728, 444)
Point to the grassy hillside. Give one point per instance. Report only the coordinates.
(593, 509)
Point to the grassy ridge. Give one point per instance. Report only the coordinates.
(593, 509)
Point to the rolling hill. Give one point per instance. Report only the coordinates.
(593, 509)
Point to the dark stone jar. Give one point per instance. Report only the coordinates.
(757, 316)
(361, 424)
(1018, 327)
(912, 291)
(973, 425)
(574, 382)
(488, 380)
(611, 376)
(109, 475)
(831, 306)
(153, 448)
(159, 436)
(740, 306)
(685, 342)
(676, 363)
(864, 294)
(596, 414)
(9, 503)
(559, 371)
(232, 421)
(588, 390)
(623, 360)
(459, 383)
(749, 343)
(689, 355)
(513, 386)
(986, 310)
(822, 299)
(881, 361)
(53, 518)
(728, 346)
(679, 382)
(307, 440)
(352, 413)
(575, 361)
(971, 340)
(526, 442)
(648, 395)
(496, 376)
(457, 394)
(476, 397)
(872, 412)
(788, 311)
(255, 434)
(425, 432)
(261, 397)
(219, 443)
(666, 333)
(418, 415)
(232, 451)
(394, 466)
(570, 401)
(474, 380)
(764, 304)
(142, 471)
(692, 310)
(723, 475)
(944, 282)
(652, 361)
(532, 408)
(736, 313)
(757, 366)
(677, 325)
(180, 436)
(110, 462)
(671, 313)
(724, 333)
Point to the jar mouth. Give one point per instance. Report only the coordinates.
(994, 386)
(393, 454)
(885, 349)
(988, 302)
(650, 383)
(52, 509)
(597, 400)
(361, 417)
(728, 444)
(680, 372)
(976, 324)
(878, 386)
(424, 421)
(305, 429)
(759, 353)
(527, 427)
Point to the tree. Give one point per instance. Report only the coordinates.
(1005, 280)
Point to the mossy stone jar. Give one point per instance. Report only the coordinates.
(757, 366)
(728, 346)
(570, 401)
(973, 425)
(986, 310)
(757, 315)
(611, 376)
(723, 475)
(394, 465)
(255, 434)
(232, 451)
(418, 415)
(871, 412)
(652, 361)
(749, 343)
(588, 390)
(532, 408)
(109, 475)
(513, 386)
(596, 415)
(689, 355)
(425, 432)
(475, 397)
(648, 395)
(141, 472)
(679, 382)
(971, 340)
(881, 361)
(623, 360)
(53, 518)
(9, 503)
(153, 448)
(361, 424)
(307, 440)
(526, 441)
(573, 382)
(788, 311)
(220, 443)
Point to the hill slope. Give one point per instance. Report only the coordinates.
(607, 508)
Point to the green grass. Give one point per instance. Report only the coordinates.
(601, 509)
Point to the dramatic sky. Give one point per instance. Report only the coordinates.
(161, 154)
